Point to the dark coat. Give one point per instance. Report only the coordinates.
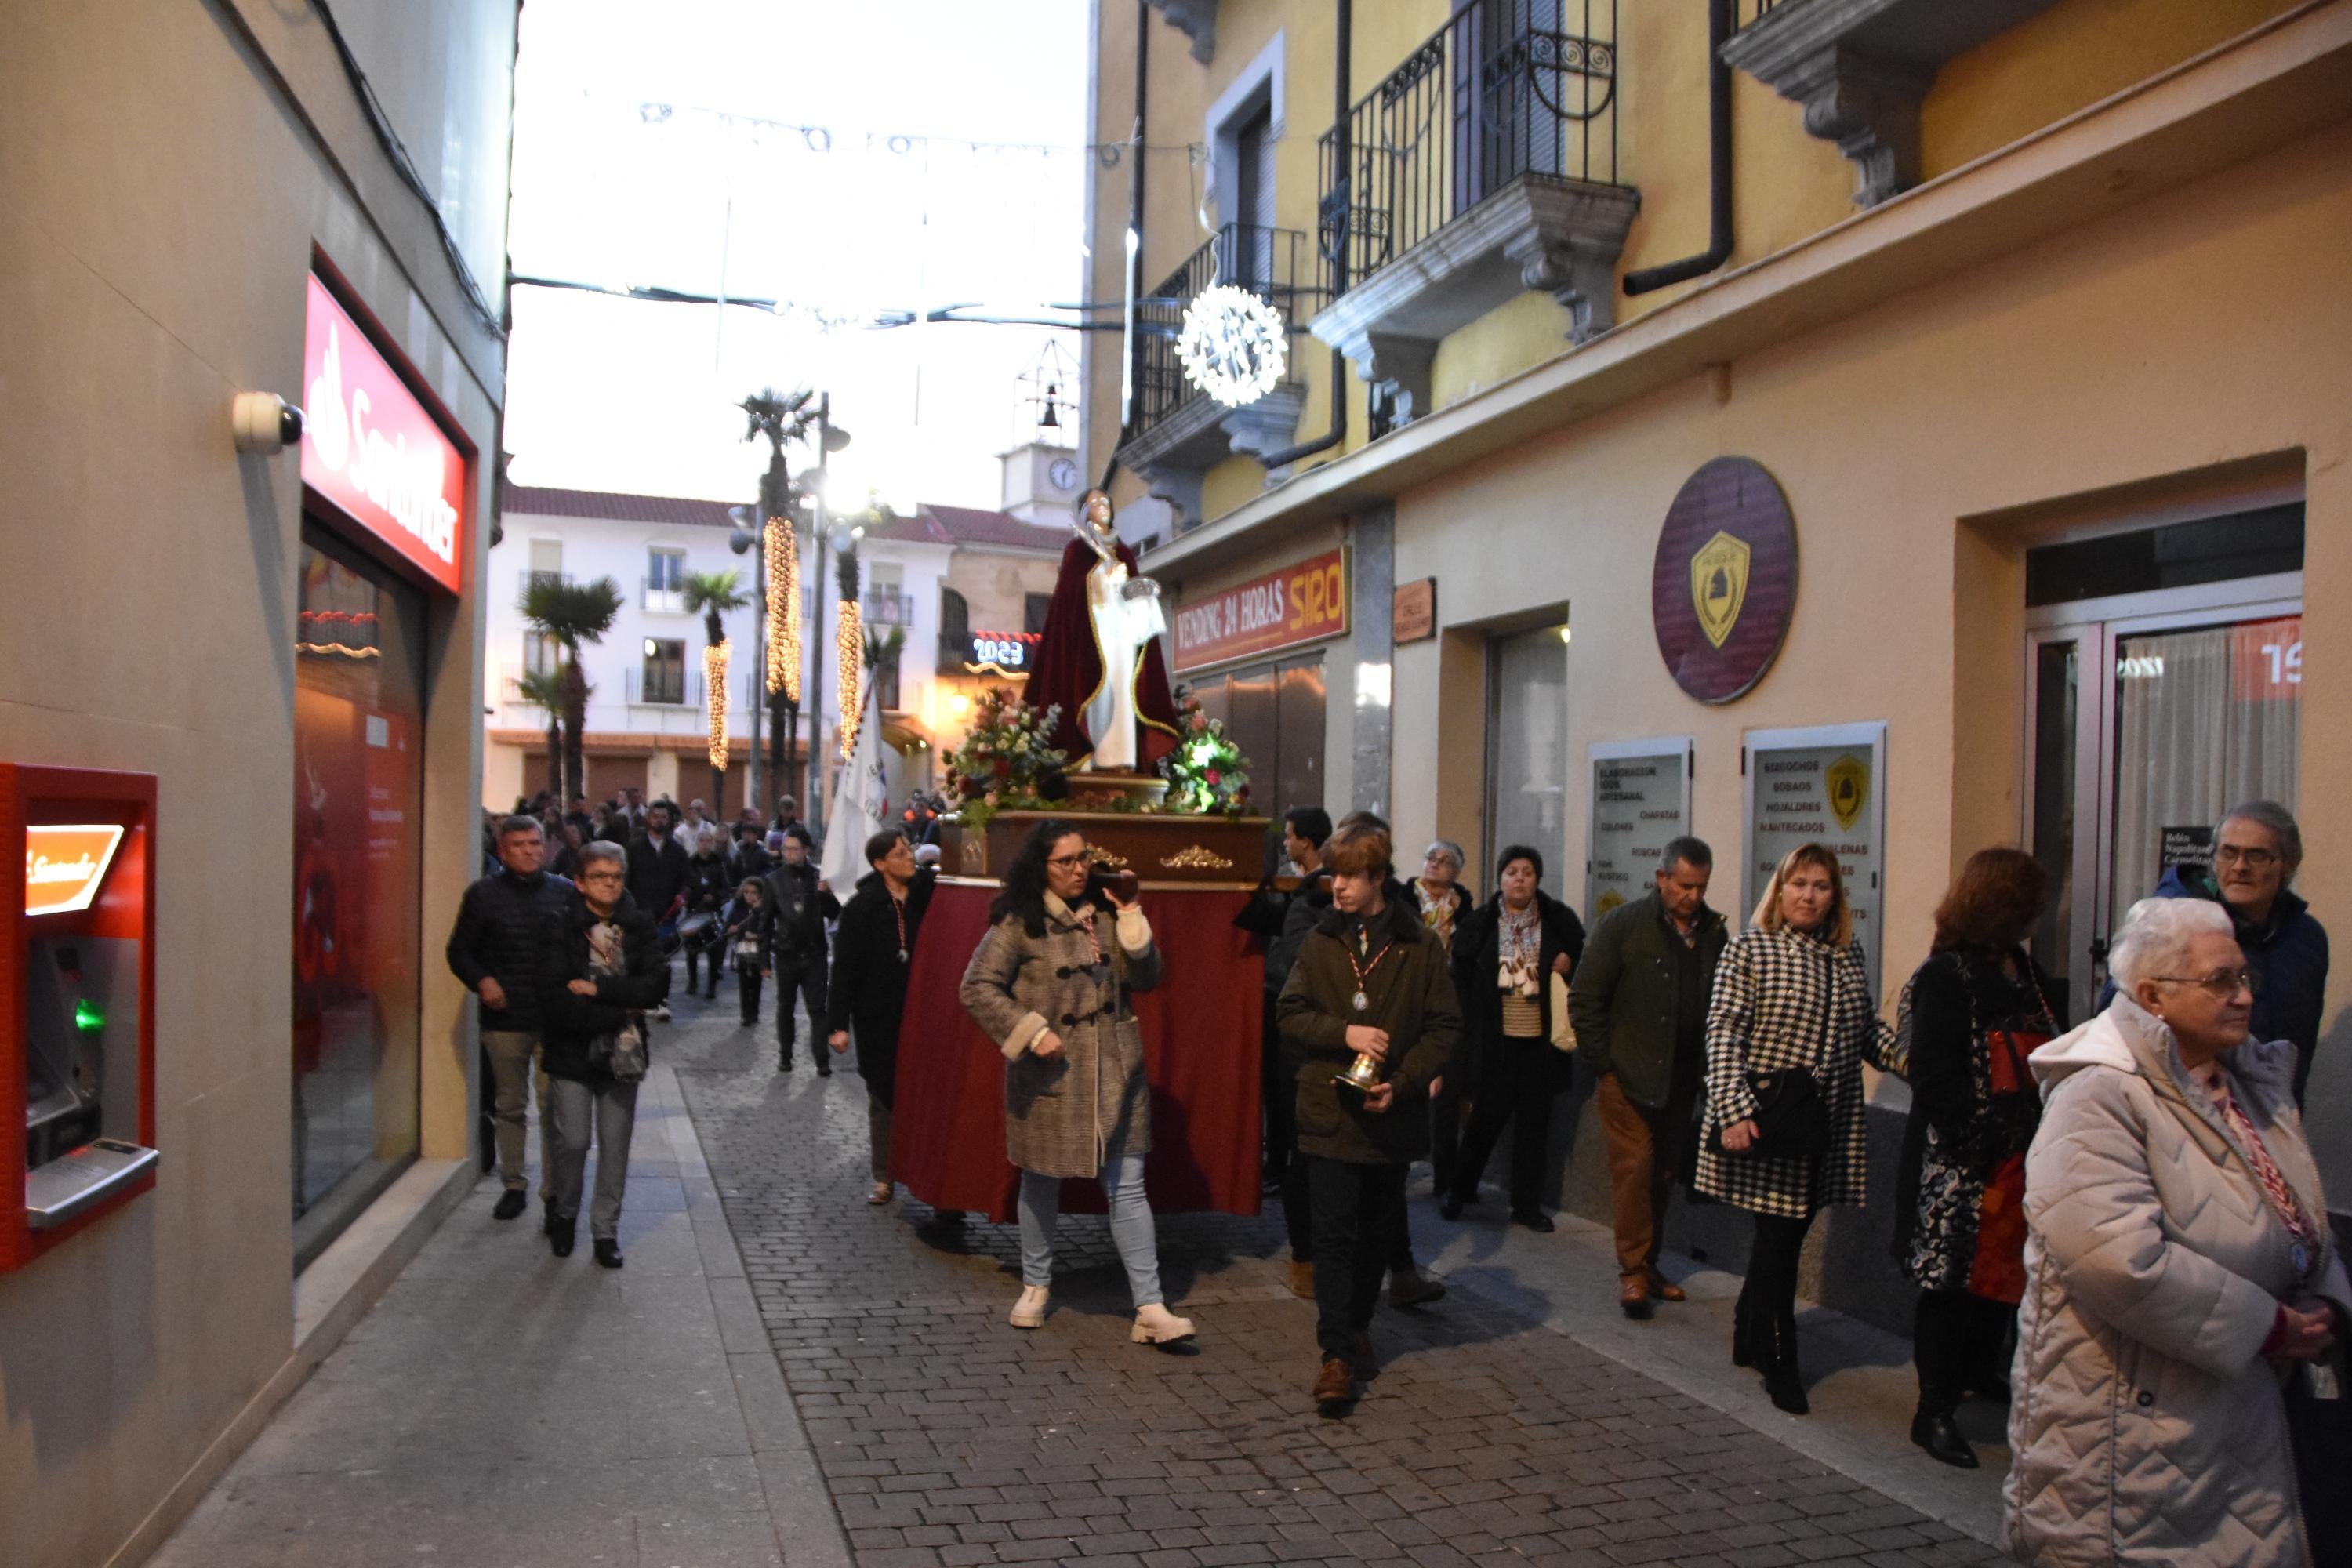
(658, 873)
(1306, 911)
(801, 941)
(739, 920)
(1064, 1115)
(747, 858)
(709, 888)
(571, 1025)
(1412, 995)
(1622, 999)
(2288, 957)
(497, 937)
(1478, 958)
(868, 996)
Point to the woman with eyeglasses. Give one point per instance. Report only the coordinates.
(2184, 1302)
(1051, 983)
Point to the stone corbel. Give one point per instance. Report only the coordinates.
(1266, 425)
(1579, 270)
(1401, 364)
(1197, 20)
(1179, 488)
(1871, 110)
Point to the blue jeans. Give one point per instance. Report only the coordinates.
(1131, 1227)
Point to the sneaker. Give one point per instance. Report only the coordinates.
(510, 1203)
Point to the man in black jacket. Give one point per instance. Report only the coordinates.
(659, 866)
(600, 973)
(802, 904)
(494, 950)
(1639, 1002)
(872, 952)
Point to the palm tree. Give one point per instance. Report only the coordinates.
(572, 614)
(882, 651)
(713, 594)
(544, 689)
(783, 420)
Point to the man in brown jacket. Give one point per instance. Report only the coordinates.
(1372, 981)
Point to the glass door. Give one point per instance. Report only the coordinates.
(1526, 749)
(2144, 728)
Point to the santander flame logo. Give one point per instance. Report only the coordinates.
(328, 425)
(371, 447)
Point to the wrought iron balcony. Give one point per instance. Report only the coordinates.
(1484, 165)
(1177, 432)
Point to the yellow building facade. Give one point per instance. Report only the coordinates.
(2034, 339)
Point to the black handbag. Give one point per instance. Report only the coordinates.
(1792, 1119)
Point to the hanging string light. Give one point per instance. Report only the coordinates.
(714, 678)
(783, 611)
(849, 643)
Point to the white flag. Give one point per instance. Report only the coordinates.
(860, 807)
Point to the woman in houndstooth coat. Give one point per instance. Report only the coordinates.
(1789, 992)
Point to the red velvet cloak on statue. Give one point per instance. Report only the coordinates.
(1068, 668)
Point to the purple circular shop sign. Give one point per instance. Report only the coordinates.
(1725, 583)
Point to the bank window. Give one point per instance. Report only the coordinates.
(542, 654)
(665, 675)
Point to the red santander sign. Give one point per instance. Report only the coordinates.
(369, 446)
(1303, 603)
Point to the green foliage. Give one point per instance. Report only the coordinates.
(1206, 772)
(1003, 758)
(572, 613)
(711, 594)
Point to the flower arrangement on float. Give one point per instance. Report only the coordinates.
(1003, 759)
(1206, 773)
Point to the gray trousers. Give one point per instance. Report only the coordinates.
(514, 1054)
(613, 1107)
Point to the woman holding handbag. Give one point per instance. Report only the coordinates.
(1970, 1017)
(1789, 1024)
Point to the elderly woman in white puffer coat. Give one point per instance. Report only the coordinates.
(2178, 1272)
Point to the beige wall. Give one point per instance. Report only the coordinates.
(2200, 329)
(158, 203)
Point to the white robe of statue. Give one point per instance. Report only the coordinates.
(1123, 628)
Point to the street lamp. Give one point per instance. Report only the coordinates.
(745, 535)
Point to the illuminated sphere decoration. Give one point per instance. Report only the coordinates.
(1233, 345)
(714, 678)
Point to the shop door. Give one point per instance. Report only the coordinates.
(2144, 724)
(358, 785)
(1527, 752)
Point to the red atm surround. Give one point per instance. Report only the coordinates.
(123, 907)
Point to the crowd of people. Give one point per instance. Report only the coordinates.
(2117, 1229)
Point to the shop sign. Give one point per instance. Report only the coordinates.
(2185, 845)
(999, 653)
(2266, 660)
(1415, 618)
(1303, 603)
(1641, 800)
(1724, 585)
(1827, 787)
(369, 446)
(64, 865)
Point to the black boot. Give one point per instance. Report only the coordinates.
(1778, 1357)
(1935, 1431)
(1743, 1332)
(561, 1232)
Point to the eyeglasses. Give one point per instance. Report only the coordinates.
(2252, 859)
(1081, 859)
(2223, 984)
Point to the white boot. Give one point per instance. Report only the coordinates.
(1029, 1311)
(1156, 1325)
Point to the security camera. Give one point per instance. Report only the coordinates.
(265, 423)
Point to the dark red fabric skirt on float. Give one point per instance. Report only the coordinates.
(1201, 1051)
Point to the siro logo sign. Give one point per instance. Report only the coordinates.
(1302, 603)
(369, 446)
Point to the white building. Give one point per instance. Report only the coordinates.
(937, 576)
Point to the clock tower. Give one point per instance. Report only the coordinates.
(1042, 481)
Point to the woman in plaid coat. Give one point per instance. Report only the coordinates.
(1790, 993)
(1050, 985)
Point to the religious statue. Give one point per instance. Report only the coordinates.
(1100, 655)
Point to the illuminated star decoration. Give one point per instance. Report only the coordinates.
(783, 611)
(1233, 345)
(849, 642)
(714, 678)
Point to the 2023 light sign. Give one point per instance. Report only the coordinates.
(1303, 603)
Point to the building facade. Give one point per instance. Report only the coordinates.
(1772, 421)
(954, 588)
(270, 632)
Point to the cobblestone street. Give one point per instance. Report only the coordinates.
(947, 1438)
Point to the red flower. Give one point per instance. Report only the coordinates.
(1210, 775)
(1003, 768)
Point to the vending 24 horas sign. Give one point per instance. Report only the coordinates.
(1303, 603)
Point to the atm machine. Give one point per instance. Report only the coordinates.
(77, 984)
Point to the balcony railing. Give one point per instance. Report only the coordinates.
(886, 608)
(1505, 90)
(1746, 11)
(661, 598)
(1271, 263)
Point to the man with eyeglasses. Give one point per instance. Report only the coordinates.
(2257, 848)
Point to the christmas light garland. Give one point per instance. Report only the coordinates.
(783, 611)
(714, 677)
(849, 642)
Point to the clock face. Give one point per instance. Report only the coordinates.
(1063, 475)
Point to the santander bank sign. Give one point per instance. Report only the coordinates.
(369, 446)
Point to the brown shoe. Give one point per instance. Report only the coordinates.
(1664, 1289)
(1410, 1288)
(1302, 1281)
(1364, 1361)
(1634, 1296)
(1334, 1389)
